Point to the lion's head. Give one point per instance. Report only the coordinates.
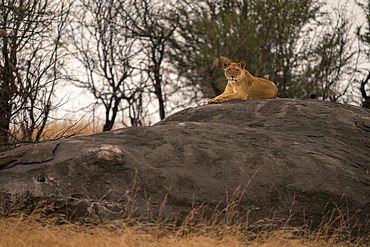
(234, 71)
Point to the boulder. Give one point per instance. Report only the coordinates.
(276, 158)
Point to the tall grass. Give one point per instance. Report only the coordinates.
(53, 131)
(225, 227)
(30, 231)
(66, 129)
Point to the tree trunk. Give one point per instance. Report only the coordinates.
(366, 101)
(5, 112)
(110, 122)
(158, 91)
(7, 90)
(162, 112)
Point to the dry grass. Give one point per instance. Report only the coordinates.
(53, 131)
(225, 227)
(35, 231)
(64, 129)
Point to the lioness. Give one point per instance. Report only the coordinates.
(242, 85)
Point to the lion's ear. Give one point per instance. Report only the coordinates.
(226, 65)
(241, 64)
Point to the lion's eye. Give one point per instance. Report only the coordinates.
(237, 70)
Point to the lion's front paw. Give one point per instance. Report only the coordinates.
(214, 101)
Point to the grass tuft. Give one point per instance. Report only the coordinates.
(28, 231)
(225, 227)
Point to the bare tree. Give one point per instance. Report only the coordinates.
(154, 24)
(29, 66)
(330, 59)
(363, 34)
(106, 53)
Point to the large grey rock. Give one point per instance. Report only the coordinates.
(285, 157)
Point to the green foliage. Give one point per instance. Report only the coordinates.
(274, 37)
(365, 37)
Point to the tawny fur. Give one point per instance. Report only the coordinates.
(219, 62)
(242, 85)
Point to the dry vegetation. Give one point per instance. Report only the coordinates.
(34, 230)
(65, 129)
(54, 131)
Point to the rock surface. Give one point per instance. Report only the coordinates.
(280, 158)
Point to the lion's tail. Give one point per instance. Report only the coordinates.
(219, 62)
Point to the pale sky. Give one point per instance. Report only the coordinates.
(353, 8)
